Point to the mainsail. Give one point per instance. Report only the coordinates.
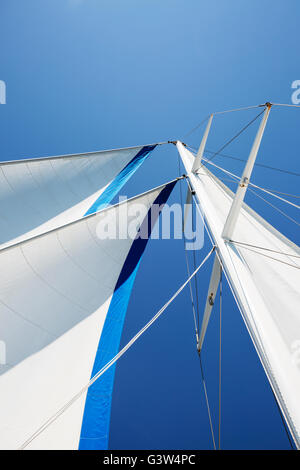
(39, 194)
(262, 267)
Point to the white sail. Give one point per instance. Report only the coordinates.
(40, 194)
(263, 269)
(63, 298)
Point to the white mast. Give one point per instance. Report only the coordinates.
(265, 281)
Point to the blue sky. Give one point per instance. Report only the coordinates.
(85, 75)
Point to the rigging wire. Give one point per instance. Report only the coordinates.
(221, 112)
(199, 352)
(257, 195)
(271, 257)
(234, 137)
(207, 402)
(281, 414)
(239, 307)
(239, 109)
(195, 277)
(197, 328)
(196, 127)
(256, 164)
(252, 184)
(263, 248)
(275, 207)
(229, 283)
(186, 256)
(284, 104)
(279, 210)
(280, 192)
(274, 195)
(107, 366)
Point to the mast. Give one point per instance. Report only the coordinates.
(263, 287)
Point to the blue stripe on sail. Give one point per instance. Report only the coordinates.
(118, 182)
(96, 417)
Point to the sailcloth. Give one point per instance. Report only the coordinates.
(37, 195)
(263, 269)
(63, 299)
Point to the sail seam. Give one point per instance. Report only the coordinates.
(49, 285)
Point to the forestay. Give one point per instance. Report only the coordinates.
(263, 269)
(63, 299)
(37, 195)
